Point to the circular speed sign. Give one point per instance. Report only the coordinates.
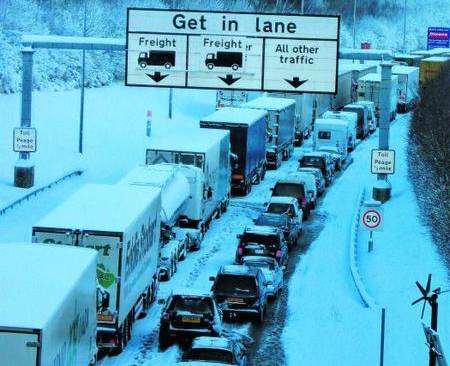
(372, 219)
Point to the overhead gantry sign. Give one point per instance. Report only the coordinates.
(223, 50)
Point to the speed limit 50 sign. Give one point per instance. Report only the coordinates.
(372, 218)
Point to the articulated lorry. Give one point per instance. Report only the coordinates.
(181, 197)
(206, 149)
(281, 127)
(123, 224)
(48, 305)
(248, 143)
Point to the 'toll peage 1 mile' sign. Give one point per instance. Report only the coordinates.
(383, 162)
(225, 50)
(24, 139)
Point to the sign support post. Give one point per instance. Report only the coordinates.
(382, 189)
(24, 169)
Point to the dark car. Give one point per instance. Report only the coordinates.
(186, 316)
(321, 161)
(265, 241)
(292, 187)
(241, 290)
(215, 350)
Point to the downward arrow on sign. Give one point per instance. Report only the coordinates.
(229, 79)
(157, 77)
(296, 82)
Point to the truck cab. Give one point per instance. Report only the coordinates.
(362, 128)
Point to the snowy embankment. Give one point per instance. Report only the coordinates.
(327, 322)
(404, 253)
(114, 131)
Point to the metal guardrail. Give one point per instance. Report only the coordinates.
(353, 253)
(34, 192)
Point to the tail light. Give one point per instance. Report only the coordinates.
(303, 201)
(240, 250)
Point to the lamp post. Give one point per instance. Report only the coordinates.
(354, 24)
(404, 27)
(80, 137)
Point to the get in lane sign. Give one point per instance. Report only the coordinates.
(225, 50)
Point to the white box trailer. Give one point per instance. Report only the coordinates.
(344, 92)
(123, 224)
(351, 119)
(408, 86)
(369, 89)
(48, 305)
(206, 149)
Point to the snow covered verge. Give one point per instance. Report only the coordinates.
(327, 322)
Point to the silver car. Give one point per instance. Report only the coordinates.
(273, 273)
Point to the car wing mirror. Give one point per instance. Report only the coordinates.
(212, 278)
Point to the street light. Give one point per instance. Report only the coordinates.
(404, 27)
(354, 24)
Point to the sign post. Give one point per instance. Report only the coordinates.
(372, 219)
(231, 50)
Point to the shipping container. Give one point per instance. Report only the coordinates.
(248, 143)
(431, 67)
(122, 223)
(48, 305)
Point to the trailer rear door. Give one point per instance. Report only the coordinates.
(19, 349)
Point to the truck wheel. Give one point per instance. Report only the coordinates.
(163, 340)
(167, 65)
(210, 66)
(143, 65)
(235, 67)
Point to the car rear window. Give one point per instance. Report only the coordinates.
(260, 239)
(280, 208)
(289, 189)
(200, 305)
(208, 354)
(235, 284)
(259, 264)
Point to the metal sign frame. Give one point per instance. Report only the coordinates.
(33, 130)
(264, 39)
(372, 165)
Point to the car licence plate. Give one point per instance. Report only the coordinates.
(259, 251)
(235, 300)
(190, 319)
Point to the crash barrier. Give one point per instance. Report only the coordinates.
(35, 191)
(366, 298)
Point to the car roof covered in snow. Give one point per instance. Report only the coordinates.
(315, 154)
(212, 342)
(102, 207)
(191, 292)
(254, 258)
(174, 186)
(283, 199)
(239, 116)
(269, 103)
(234, 269)
(185, 138)
(35, 279)
(261, 230)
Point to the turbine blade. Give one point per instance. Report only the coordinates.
(418, 300)
(422, 290)
(423, 309)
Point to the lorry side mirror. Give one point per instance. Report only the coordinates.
(266, 204)
(271, 188)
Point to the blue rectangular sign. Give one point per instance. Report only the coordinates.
(438, 37)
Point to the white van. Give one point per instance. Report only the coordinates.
(352, 120)
(331, 133)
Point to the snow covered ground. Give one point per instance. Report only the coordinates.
(326, 323)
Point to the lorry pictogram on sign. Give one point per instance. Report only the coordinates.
(232, 50)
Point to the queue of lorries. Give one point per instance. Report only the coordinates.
(96, 260)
